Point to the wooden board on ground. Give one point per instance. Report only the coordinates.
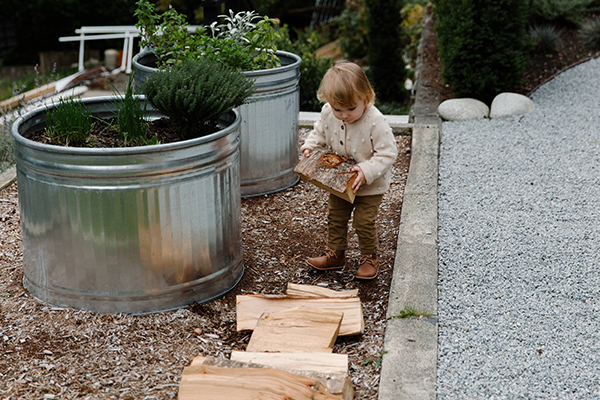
(250, 308)
(329, 171)
(296, 330)
(333, 385)
(294, 289)
(316, 362)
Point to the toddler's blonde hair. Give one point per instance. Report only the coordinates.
(344, 85)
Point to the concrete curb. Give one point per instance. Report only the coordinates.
(409, 363)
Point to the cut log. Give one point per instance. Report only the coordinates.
(337, 385)
(316, 362)
(294, 289)
(251, 307)
(329, 172)
(296, 330)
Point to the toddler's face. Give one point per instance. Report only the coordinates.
(349, 115)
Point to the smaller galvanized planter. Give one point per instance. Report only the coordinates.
(269, 130)
(135, 230)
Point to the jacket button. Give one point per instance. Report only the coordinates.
(342, 127)
(342, 143)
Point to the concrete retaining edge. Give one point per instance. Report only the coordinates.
(409, 362)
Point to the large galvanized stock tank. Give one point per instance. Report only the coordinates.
(136, 229)
(269, 131)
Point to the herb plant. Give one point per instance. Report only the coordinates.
(131, 124)
(196, 94)
(244, 41)
(68, 123)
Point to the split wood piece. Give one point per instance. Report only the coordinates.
(250, 307)
(8, 104)
(294, 289)
(335, 178)
(337, 385)
(316, 362)
(296, 330)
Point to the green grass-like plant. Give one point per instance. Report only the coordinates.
(197, 94)
(131, 124)
(68, 123)
(544, 38)
(412, 312)
(590, 33)
(7, 153)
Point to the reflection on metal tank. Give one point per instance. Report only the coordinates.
(269, 131)
(137, 229)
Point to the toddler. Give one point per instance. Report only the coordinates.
(350, 125)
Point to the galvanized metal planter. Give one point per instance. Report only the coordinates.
(135, 230)
(269, 131)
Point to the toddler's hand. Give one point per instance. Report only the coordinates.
(306, 153)
(360, 179)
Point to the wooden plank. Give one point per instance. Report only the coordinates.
(294, 289)
(251, 307)
(316, 362)
(8, 104)
(220, 383)
(336, 383)
(329, 172)
(296, 330)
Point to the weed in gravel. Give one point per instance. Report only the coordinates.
(412, 312)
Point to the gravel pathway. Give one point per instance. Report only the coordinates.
(519, 255)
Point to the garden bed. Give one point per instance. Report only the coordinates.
(50, 352)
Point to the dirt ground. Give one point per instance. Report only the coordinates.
(54, 353)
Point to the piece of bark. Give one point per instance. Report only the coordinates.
(328, 171)
(294, 289)
(316, 362)
(337, 384)
(296, 330)
(250, 308)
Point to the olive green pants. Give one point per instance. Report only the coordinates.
(365, 213)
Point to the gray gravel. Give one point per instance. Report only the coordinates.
(519, 266)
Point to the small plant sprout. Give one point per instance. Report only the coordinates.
(376, 361)
(412, 312)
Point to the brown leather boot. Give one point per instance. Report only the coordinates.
(368, 267)
(332, 259)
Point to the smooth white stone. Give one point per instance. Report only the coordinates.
(463, 109)
(509, 104)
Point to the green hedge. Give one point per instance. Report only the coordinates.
(387, 70)
(483, 45)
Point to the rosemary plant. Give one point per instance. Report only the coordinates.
(195, 95)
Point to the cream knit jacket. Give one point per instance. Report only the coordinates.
(369, 141)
